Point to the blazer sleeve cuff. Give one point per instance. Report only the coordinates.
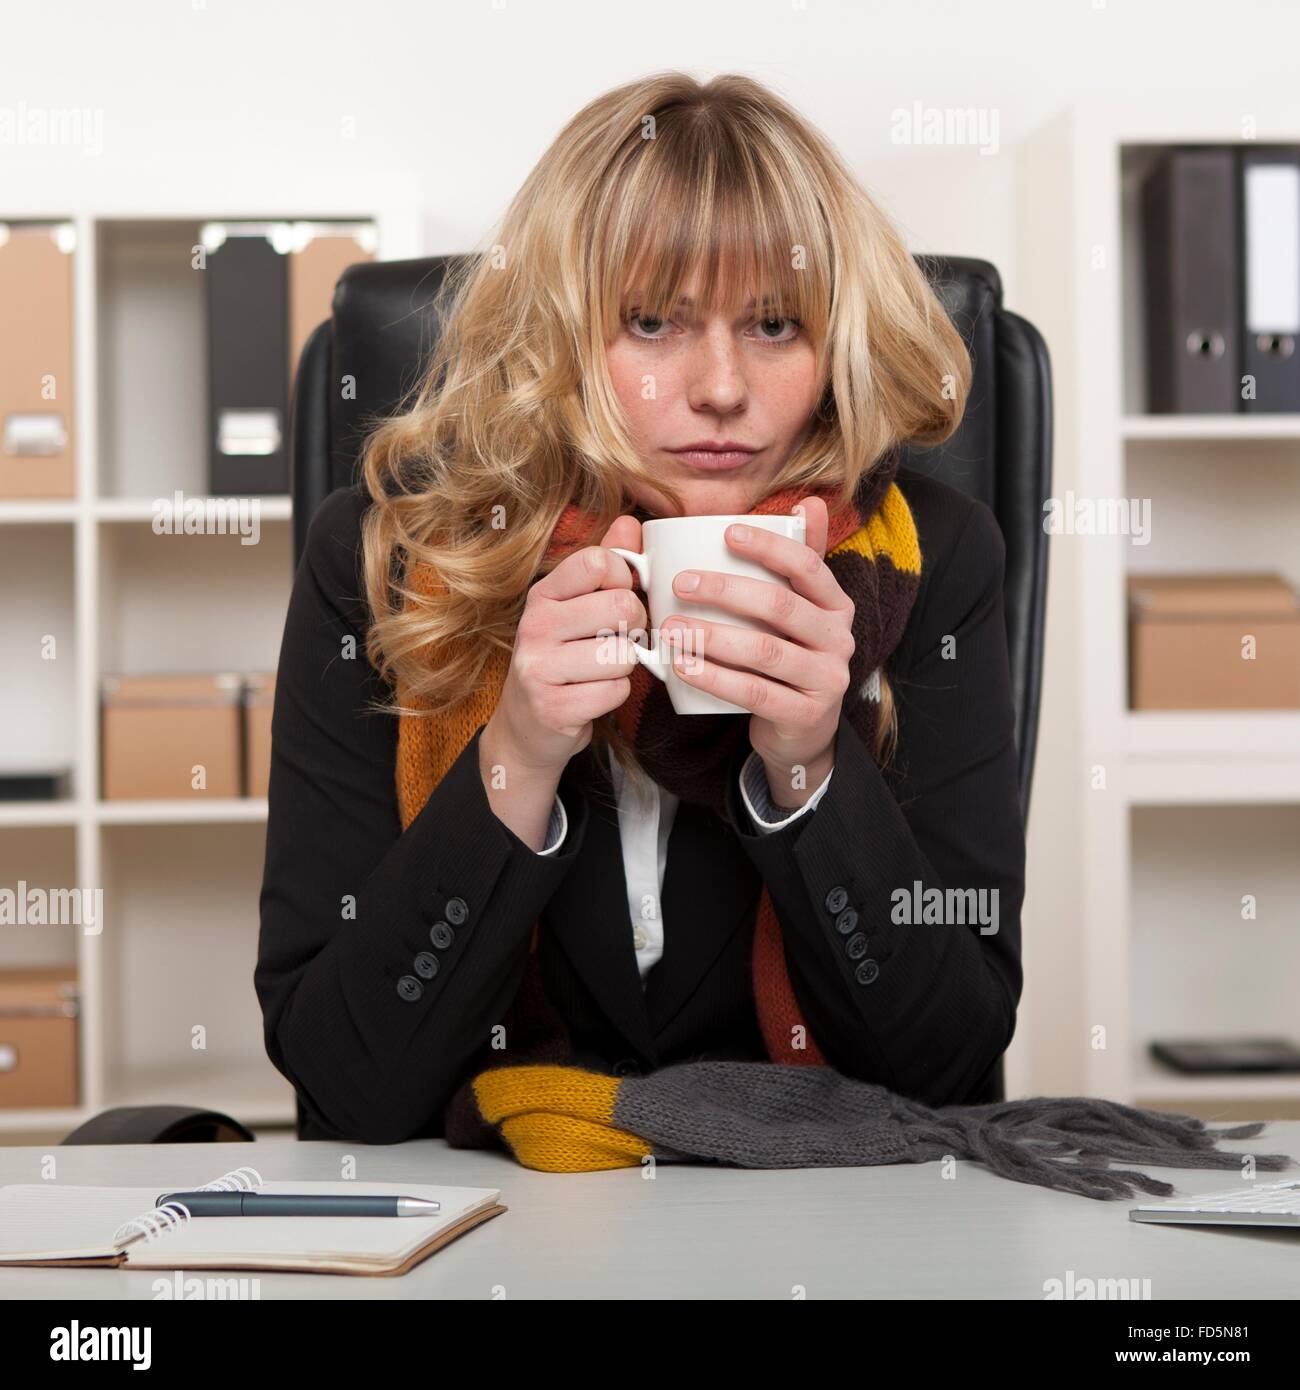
(556, 830)
(763, 812)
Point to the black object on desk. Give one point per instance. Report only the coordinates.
(1223, 1055)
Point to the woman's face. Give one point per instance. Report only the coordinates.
(731, 378)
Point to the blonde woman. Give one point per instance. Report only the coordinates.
(491, 840)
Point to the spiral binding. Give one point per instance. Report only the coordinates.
(157, 1221)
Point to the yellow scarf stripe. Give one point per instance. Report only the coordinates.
(891, 531)
(505, 1091)
(557, 1119)
(563, 1144)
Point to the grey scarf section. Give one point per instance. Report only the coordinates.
(766, 1115)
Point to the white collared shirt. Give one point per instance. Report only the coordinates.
(645, 821)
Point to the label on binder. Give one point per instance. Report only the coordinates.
(248, 431)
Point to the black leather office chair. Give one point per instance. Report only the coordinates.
(159, 1124)
(385, 324)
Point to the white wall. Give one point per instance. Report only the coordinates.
(456, 98)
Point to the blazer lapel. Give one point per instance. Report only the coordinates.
(588, 915)
(710, 888)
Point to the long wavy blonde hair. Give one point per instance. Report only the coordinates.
(515, 416)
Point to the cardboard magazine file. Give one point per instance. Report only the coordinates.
(36, 423)
(259, 698)
(38, 1037)
(158, 729)
(314, 269)
(1188, 646)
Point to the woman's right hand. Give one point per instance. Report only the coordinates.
(562, 676)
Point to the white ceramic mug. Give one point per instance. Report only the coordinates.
(675, 543)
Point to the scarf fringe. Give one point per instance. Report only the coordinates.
(1069, 1142)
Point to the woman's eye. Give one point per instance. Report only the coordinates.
(776, 323)
(645, 319)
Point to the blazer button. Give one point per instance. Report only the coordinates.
(426, 964)
(856, 946)
(457, 911)
(866, 972)
(409, 988)
(846, 921)
(441, 935)
(835, 900)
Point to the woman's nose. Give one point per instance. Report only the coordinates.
(717, 379)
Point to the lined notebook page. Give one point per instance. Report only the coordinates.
(50, 1221)
(377, 1240)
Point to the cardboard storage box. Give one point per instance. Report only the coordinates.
(36, 360)
(38, 1037)
(314, 269)
(157, 729)
(259, 698)
(1187, 642)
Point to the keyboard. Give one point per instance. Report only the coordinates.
(1261, 1204)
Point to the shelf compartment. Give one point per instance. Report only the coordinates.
(192, 603)
(43, 857)
(1198, 965)
(151, 345)
(179, 950)
(38, 696)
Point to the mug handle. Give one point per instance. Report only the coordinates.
(651, 660)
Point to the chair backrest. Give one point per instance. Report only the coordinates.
(385, 324)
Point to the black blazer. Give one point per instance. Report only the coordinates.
(348, 901)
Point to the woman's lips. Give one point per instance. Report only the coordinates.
(714, 460)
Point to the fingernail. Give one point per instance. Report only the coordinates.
(740, 533)
(687, 581)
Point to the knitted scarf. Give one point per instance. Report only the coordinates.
(793, 1110)
(872, 550)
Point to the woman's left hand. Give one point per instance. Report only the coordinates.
(794, 682)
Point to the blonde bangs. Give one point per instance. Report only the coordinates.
(698, 202)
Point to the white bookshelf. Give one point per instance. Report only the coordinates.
(181, 878)
(1211, 429)
(1159, 821)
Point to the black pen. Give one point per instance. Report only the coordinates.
(289, 1204)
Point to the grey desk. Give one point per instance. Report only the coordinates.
(704, 1232)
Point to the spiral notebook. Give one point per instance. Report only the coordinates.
(49, 1224)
